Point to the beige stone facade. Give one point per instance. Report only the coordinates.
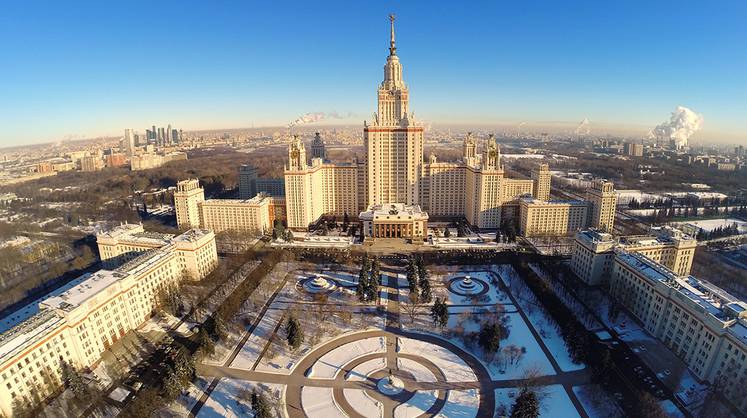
(82, 322)
(546, 218)
(593, 252)
(604, 202)
(251, 215)
(394, 220)
(705, 326)
(322, 188)
(187, 197)
(255, 215)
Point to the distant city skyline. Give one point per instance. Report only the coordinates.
(94, 70)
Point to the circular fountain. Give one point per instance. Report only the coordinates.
(318, 284)
(467, 286)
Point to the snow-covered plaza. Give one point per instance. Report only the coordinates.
(386, 358)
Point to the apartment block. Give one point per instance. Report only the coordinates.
(82, 320)
(705, 326)
(593, 251)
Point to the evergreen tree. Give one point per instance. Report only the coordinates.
(363, 286)
(526, 405)
(426, 295)
(294, 333)
(440, 313)
(375, 271)
(447, 233)
(205, 342)
(490, 337)
(172, 385)
(72, 379)
(260, 405)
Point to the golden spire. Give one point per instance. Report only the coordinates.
(392, 48)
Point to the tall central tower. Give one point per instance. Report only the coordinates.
(393, 140)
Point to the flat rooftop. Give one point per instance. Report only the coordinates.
(708, 296)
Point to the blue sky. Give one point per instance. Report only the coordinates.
(94, 68)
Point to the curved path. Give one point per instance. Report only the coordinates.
(299, 376)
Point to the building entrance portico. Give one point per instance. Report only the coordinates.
(395, 220)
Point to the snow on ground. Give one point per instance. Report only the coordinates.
(186, 400)
(229, 399)
(419, 372)
(319, 402)
(460, 404)
(493, 296)
(709, 225)
(362, 403)
(417, 405)
(330, 363)
(452, 366)
(534, 357)
(361, 371)
(519, 336)
(554, 401)
(548, 330)
(596, 402)
(256, 342)
(119, 394)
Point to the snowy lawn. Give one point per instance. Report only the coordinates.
(361, 371)
(232, 398)
(417, 405)
(554, 401)
(319, 402)
(363, 404)
(330, 363)
(461, 404)
(256, 342)
(452, 366)
(419, 372)
(546, 327)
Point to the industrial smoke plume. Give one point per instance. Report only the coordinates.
(316, 117)
(681, 125)
(583, 127)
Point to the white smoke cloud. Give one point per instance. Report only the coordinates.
(583, 127)
(681, 125)
(317, 117)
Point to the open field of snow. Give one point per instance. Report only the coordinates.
(319, 402)
(417, 405)
(453, 367)
(709, 225)
(362, 370)
(251, 350)
(419, 372)
(330, 364)
(460, 404)
(363, 404)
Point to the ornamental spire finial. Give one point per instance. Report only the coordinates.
(392, 48)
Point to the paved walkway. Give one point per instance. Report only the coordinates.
(300, 375)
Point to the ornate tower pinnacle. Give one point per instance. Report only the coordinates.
(392, 47)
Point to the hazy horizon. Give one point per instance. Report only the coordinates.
(74, 71)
